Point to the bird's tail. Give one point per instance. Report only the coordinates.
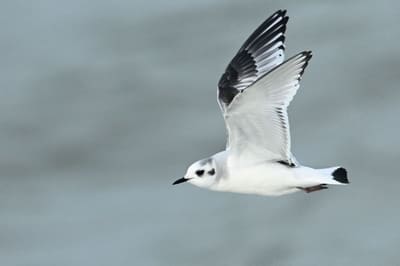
(318, 179)
(335, 175)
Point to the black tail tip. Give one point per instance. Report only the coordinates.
(340, 175)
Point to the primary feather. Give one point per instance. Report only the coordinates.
(261, 52)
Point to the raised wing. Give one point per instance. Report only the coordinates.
(261, 52)
(256, 119)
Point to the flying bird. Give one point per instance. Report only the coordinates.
(253, 95)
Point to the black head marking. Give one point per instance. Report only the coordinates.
(200, 172)
(211, 172)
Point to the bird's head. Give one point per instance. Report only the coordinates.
(202, 173)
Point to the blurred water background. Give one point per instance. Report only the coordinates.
(103, 104)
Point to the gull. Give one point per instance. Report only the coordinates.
(253, 95)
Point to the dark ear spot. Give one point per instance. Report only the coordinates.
(211, 172)
(199, 172)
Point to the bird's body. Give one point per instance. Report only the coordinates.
(267, 178)
(254, 93)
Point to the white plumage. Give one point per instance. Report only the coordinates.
(254, 93)
(256, 119)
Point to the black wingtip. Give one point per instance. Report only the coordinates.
(307, 56)
(281, 26)
(285, 16)
(340, 175)
(281, 12)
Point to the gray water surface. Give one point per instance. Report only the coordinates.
(103, 104)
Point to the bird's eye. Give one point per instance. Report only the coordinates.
(199, 172)
(211, 172)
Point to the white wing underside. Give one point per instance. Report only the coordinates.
(256, 119)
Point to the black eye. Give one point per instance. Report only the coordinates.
(199, 172)
(211, 172)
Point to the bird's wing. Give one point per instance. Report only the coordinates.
(256, 119)
(261, 52)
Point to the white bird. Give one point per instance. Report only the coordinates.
(253, 94)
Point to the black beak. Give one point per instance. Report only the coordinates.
(180, 180)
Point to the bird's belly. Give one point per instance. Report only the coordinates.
(267, 180)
